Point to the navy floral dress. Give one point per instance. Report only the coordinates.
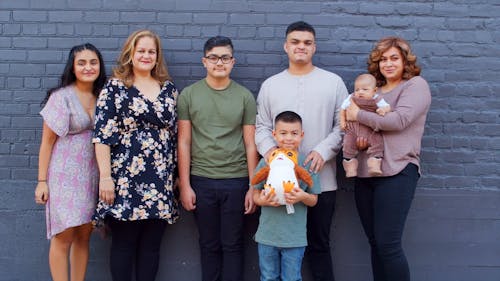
(142, 136)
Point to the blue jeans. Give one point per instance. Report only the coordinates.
(219, 215)
(280, 263)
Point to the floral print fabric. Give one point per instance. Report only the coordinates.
(72, 174)
(142, 136)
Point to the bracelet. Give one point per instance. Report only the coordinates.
(42, 180)
(106, 179)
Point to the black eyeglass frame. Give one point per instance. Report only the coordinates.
(223, 59)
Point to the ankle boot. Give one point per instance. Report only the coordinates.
(374, 165)
(350, 167)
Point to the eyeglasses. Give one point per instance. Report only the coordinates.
(215, 59)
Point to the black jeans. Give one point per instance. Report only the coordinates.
(139, 240)
(219, 215)
(319, 221)
(383, 204)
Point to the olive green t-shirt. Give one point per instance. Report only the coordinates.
(217, 118)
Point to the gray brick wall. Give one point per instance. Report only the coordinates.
(458, 45)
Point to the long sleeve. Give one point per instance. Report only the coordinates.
(412, 102)
(264, 122)
(330, 146)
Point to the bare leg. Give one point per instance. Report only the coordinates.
(79, 254)
(58, 254)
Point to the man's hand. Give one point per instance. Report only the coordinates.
(249, 204)
(317, 162)
(188, 198)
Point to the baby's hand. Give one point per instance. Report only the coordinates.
(383, 110)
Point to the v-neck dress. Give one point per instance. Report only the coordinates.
(142, 136)
(72, 175)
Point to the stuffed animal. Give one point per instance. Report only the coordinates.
(282, 174)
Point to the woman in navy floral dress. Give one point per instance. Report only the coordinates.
(136, 136)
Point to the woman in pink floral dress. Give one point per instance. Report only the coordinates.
(67, 168)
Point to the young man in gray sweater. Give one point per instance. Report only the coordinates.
(316, 95)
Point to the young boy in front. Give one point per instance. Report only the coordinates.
(281, 237)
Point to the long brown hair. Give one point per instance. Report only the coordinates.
(411, 68)
(124, 69)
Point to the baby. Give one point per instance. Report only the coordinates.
(366, 97)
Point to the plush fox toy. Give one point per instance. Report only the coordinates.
(282, 174)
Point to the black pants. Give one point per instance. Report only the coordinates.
(383, 205)
(219, 215)
(139, 241)
(319, 221)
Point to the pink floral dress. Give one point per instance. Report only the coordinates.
(73, 174)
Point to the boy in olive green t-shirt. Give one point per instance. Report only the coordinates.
(217, 152)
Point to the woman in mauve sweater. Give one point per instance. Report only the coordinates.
(383, 202)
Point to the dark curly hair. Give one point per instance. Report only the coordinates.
(411, 68)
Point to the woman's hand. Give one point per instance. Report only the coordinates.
(352, 112)
(41, 193)
(107, 190)
(362, 143)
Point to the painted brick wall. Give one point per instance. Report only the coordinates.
(458, 45)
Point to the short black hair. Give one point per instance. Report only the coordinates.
(300, 26)
(288, 117)
(217, 41)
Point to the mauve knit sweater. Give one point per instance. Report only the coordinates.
(402, 128)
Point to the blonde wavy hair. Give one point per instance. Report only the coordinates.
(124, 69)
(410, 69)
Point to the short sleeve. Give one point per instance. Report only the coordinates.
(250, 112)
(108, 122)
(346, 103)
(183, 106)
(382, 103)
(56, 113)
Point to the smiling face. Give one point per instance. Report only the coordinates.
(145, 55)
(300, 47)
(288, 135)
(219, 69)
(86, 66)
(391, 65)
